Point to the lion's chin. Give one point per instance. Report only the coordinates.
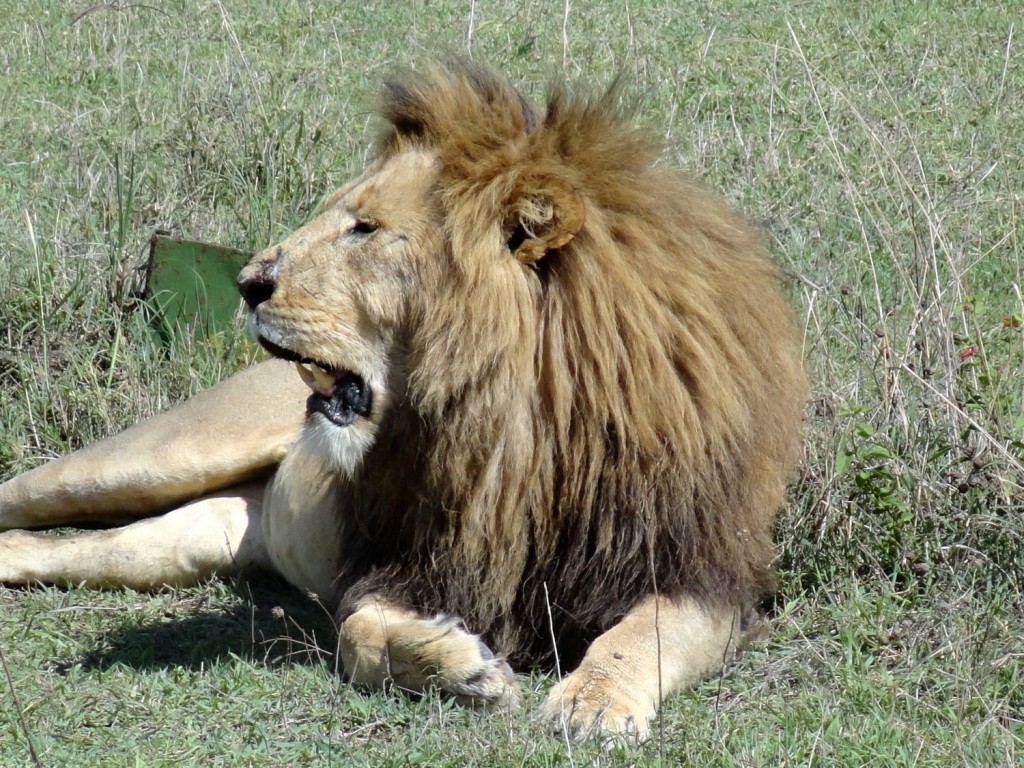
(341, 451)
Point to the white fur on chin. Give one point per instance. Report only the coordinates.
(343, 448)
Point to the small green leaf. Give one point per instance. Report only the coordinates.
(842, 462)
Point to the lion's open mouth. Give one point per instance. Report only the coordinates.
(339, 395)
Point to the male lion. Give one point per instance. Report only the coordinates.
(551, 389)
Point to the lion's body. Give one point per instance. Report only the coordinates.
(556, 393)
(618, 418)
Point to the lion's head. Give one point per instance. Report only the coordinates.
(568, 372)
(339, 295)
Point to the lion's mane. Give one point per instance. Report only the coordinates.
(611, 414)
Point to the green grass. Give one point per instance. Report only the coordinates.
(880, 146)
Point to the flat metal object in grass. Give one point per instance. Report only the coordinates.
(190, 286)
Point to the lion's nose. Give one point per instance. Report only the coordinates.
(256, 283)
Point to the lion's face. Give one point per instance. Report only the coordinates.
(335, 295)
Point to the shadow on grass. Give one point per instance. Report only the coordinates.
(273, 625)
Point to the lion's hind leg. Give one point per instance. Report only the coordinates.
(660, 646)
(218, 535)
(382, 643)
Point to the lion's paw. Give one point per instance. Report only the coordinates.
(440, 652)
(588, 704)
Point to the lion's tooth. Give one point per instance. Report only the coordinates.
(316, 378)
(324, 380)
(306, 374)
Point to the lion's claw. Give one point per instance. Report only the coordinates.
(587, 705)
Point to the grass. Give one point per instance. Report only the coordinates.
(878, 144)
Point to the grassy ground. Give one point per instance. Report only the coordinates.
(879, 144)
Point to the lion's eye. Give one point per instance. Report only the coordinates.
(364, 227)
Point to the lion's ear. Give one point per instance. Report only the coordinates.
(544, 214)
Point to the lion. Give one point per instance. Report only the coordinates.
(548, 396)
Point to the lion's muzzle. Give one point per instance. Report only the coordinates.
(338, 395)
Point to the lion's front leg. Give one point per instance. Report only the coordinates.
(660, 646)
(383, 643)
(218, 535)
